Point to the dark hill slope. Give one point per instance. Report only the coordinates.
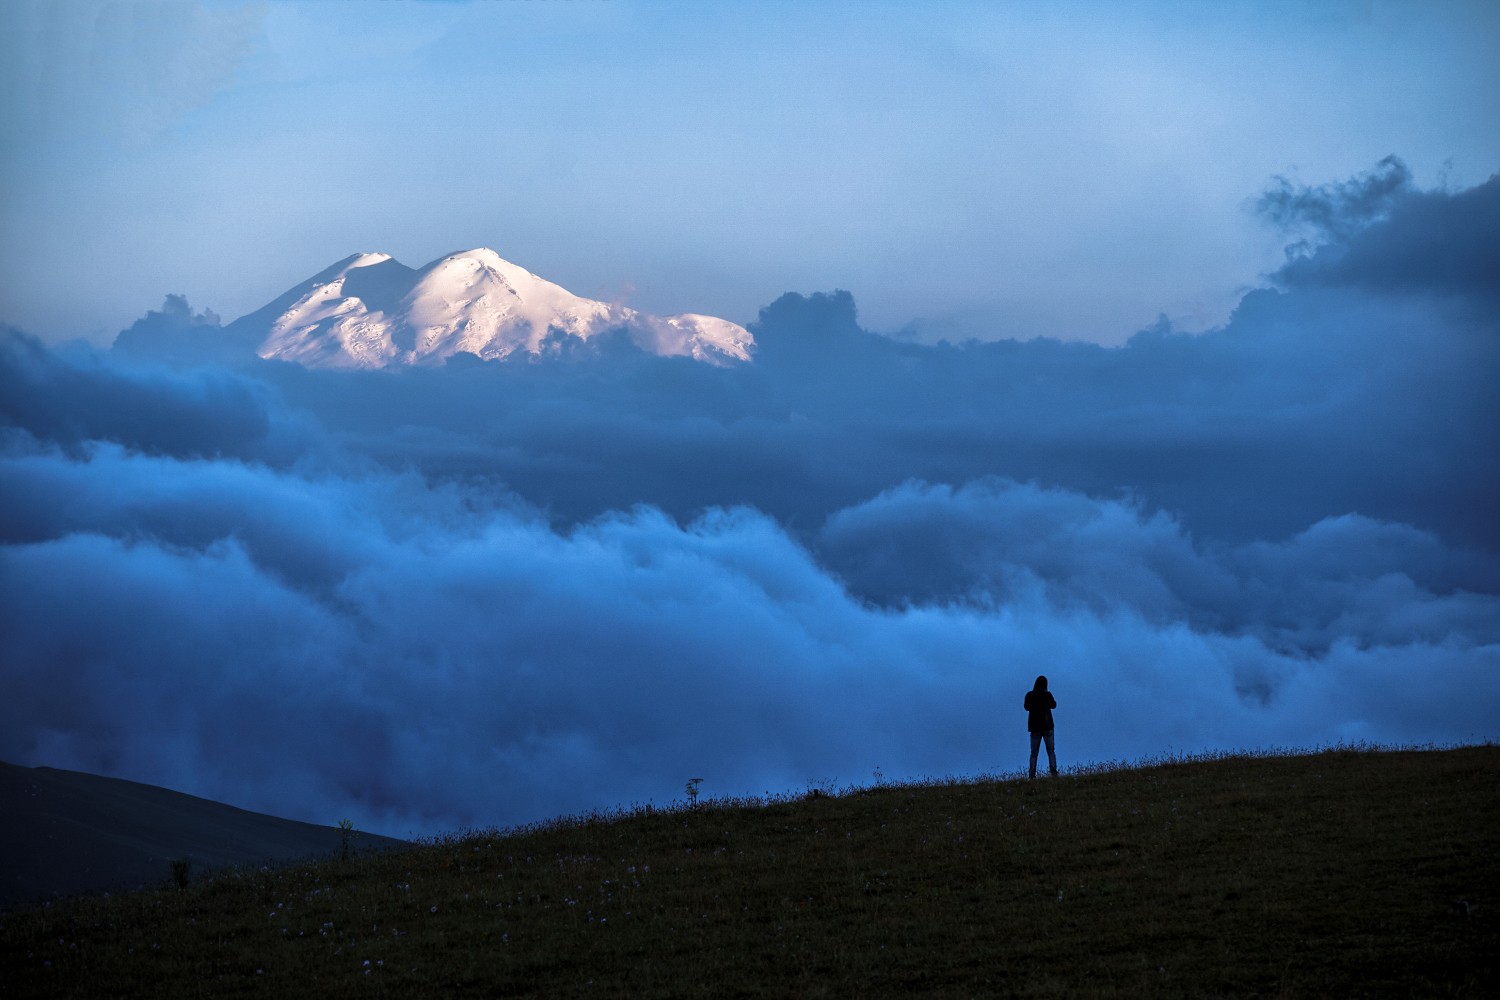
(66, 832)
(1336, 874)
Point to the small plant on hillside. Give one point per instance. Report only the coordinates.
(692, 792)
(346, 839)
(823, 788)
(182, 870)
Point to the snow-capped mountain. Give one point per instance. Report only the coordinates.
(371, 311)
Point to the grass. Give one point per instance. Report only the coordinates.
(1332, 874)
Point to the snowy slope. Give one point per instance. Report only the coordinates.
(371, 311)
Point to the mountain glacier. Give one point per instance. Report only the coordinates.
(371, 311)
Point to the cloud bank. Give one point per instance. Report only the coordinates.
(494, 593)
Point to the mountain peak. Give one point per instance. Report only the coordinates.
(365, 259)
(482, 254)
(479, 257)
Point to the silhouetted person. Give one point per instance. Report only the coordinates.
(1039, 705)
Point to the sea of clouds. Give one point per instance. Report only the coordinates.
(493, 593)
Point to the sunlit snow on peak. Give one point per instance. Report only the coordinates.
(371, 311)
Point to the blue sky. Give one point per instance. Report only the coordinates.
(985, 170)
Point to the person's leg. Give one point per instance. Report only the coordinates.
(1036, 739)
(1051, 754)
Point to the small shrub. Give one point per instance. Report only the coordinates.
(346, 839)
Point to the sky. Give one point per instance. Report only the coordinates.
(1212, 446)
(965, 170)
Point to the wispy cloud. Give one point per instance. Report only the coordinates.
(1339, 210)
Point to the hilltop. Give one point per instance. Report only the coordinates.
(1346, 872)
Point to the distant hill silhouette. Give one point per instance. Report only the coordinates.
(67, 832)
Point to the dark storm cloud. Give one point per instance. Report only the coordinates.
(495, 592)
(1339, 210)
(1432, 243)
(76, 396)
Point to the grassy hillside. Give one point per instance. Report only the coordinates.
(1337, 874)
(66, 832)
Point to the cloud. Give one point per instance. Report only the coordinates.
(419, 662)
(494, 593)
(76, 396)
(175, 333)
(992, 542)
(1337, 211)
(1431, 243)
